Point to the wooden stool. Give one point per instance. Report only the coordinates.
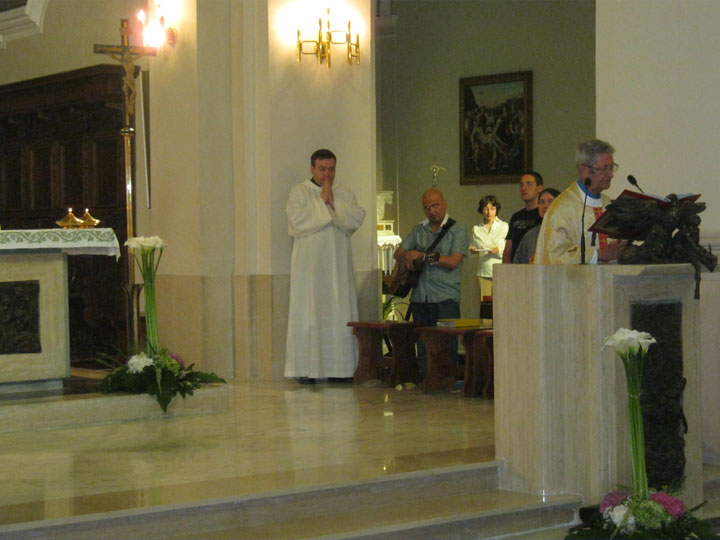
(479, 371)
(442, 372)
(486, 307)
(401, 368)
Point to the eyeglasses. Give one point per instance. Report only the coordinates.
(606, 169)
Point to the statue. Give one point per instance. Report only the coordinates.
(435, 168)
(382, 198)
(660, 232)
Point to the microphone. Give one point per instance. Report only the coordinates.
(587, 183)
(634, 182)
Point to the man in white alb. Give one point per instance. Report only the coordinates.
(323, 297)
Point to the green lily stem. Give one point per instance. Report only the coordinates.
(151, 324)
(148, 268)
(633, 372)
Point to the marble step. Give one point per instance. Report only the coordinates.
(458, 502)
(21, 413)
(546, 533)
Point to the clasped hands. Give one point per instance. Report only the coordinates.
(327, 195)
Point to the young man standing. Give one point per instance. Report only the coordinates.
(531, 184)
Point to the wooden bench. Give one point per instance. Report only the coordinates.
(401, 367)
(442, 372)
(486, 307)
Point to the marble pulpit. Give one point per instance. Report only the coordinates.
(34, 342)
(561, 414)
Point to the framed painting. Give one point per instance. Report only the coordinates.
(495, 127)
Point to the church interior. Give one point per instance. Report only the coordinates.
(225, 119)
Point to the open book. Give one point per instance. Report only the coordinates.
(458, 323)
(661, 201)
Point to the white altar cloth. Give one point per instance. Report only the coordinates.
(69, 241)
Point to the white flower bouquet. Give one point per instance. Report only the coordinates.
(639, 513)
(156, 372)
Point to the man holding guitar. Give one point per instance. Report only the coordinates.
(436, 248)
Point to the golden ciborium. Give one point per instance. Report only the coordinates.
(88, 222)
(70, 221)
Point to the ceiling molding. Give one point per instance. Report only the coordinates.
(22, 21)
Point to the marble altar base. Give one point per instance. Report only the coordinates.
(52, 363)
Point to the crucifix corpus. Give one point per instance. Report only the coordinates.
(435, 168)
(126, 55)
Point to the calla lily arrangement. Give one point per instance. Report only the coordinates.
(641, 512)
(143, 250)
(156, 371)
(632, 346)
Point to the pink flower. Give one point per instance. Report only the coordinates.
(177, 358)
(613, 499)
(673, 505)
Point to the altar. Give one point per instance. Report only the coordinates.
(34, 329)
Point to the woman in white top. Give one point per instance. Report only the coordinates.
(488, 242)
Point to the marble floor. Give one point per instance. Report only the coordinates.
(274, 436)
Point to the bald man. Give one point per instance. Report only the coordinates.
(437, 294)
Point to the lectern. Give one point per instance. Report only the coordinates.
(561, 417)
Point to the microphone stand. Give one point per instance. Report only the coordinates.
(582, 223)
(634, 182)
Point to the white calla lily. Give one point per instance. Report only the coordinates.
(625, 340)
(631, 346)
(142, 249)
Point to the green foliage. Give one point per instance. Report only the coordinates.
(390, 306)
(163, 379)
(594, 527)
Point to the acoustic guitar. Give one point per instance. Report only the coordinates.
(404, 279)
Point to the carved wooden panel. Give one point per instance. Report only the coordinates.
(19, 317)
(11, 192)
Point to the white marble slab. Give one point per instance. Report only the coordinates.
(561, 402)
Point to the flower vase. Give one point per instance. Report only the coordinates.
(151, 323)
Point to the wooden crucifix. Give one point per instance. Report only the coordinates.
(126, 55)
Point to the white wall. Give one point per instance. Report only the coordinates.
(315, 107)
(657, 82)
(70, 29)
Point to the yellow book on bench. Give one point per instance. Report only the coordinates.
(458, 323)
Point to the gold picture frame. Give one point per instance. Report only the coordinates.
(495, 127)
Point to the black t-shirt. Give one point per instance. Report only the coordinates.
(520, 223)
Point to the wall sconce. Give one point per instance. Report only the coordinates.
(321, 46)
(158, 28)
